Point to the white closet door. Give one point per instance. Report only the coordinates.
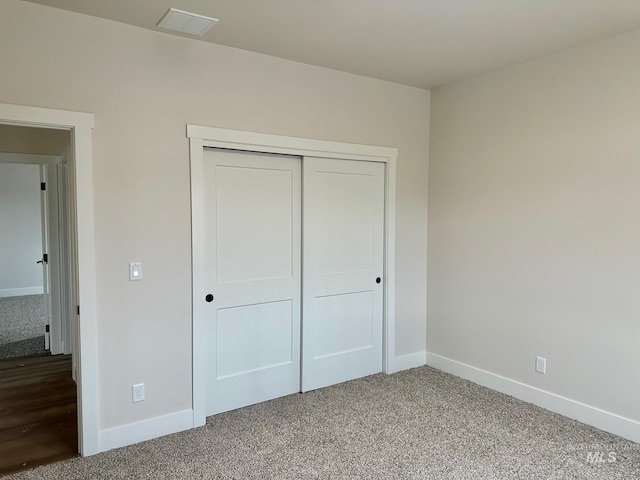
(343, 267)
(252, 263)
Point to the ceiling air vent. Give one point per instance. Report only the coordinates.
(185, 22)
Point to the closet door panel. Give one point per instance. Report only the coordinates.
(252, 263)
(343, 242)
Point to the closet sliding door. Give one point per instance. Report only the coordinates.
(252, 256)
(343, 253)
(291, 276)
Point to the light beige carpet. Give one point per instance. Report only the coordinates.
(22, 323)
(418, 424)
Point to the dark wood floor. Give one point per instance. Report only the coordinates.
(38, 422)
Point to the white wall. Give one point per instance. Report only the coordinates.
(20, 230)
(144, 87)
(534, 231)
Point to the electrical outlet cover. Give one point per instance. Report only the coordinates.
(541, 365)
(137, 393)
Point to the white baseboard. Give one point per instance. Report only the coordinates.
(607, 421)
(20, 292)
(411, 360)
(145, 430)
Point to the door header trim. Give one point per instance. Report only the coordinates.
(267, 143)
(44, 117)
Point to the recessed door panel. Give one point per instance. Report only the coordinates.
(344, 222)
(253, 337)
(343, 323)
(255, 237)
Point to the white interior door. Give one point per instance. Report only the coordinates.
(343, 270)
(252, 230)
(44, 260)
(51, 244)
(64, 257)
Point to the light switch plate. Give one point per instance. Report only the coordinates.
(135, 271)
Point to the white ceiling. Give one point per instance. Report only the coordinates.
(424, 43)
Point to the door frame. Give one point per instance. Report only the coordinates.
(201, 137)
(65, 273)
(81, 189)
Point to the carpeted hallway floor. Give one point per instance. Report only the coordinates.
(417, 424)
(22, 322)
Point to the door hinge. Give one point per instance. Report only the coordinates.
(46, 329)
(43, 186)
(78, 309)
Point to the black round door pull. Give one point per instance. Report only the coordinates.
(209, 298)
(378, 280)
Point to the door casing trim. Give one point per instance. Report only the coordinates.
(201, 137)
(80, 125)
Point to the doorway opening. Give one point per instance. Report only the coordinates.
(37, 389)
(48, 359)
(35, 246)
